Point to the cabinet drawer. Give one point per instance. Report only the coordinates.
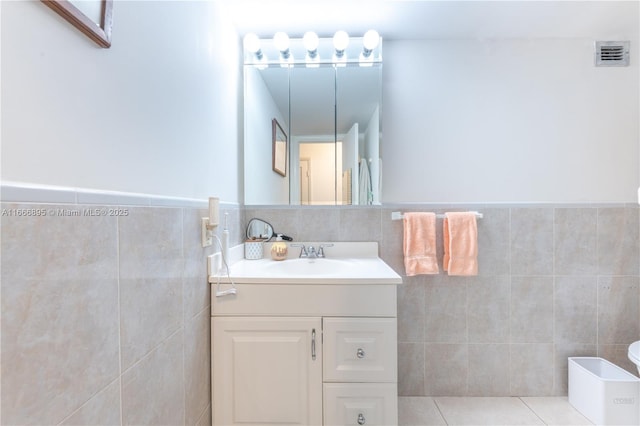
(360, 404)
(360, 350)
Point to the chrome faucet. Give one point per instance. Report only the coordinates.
(311, 252)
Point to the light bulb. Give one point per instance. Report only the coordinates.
(340, 40)
(371, 39)
(281, 41)
(251, 43)
(310, 41)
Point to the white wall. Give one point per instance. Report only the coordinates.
(508, 120)
(158, 113)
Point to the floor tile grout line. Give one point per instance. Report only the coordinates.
(532, 410)
(440, 411)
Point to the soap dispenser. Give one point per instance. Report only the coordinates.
(279, 249)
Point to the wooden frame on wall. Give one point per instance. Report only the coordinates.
(279, 141)
(99, 32)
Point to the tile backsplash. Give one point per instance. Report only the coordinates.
(553, 282)
(105, 319)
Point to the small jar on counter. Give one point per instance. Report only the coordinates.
(253, 249)
(279, 249)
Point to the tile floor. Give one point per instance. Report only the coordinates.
(414, 411)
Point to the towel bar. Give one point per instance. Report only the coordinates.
(399, 215)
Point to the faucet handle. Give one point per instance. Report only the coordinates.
(303, 250)
(321, 249)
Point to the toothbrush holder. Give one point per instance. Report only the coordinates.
(253, 249)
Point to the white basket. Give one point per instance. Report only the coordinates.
(603, 392)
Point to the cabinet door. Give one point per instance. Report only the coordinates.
(360, 404)
(360, 350)
(266, 370)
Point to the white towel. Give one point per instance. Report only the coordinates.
(364, 180)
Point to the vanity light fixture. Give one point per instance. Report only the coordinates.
(251, 43)
(281, 41)
(312, 51)
(311, 41)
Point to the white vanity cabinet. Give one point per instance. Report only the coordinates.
(308, 354)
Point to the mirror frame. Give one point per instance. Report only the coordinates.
(279, 139)
(260, 237)
(99, 32)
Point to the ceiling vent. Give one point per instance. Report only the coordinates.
(612, 53)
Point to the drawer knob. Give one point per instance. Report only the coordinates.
(360, 353)
(361, 419)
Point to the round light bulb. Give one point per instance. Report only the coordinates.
(340, 40)
(281, 41)
(251, 43)
(310, 41)
(371, 39)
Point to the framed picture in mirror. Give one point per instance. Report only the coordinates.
(279, 148)
(91, 17)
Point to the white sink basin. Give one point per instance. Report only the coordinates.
(310, 267)
(346, 263)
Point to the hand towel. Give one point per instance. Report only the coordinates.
(419, 245)
(460, 232)
(364, 181)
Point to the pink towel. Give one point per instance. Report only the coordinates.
(419, 245)
(460, 243)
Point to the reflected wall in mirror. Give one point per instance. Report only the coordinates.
(331, 114)
(313, 138)
(266, 96)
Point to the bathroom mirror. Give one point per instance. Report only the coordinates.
(331, 116)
